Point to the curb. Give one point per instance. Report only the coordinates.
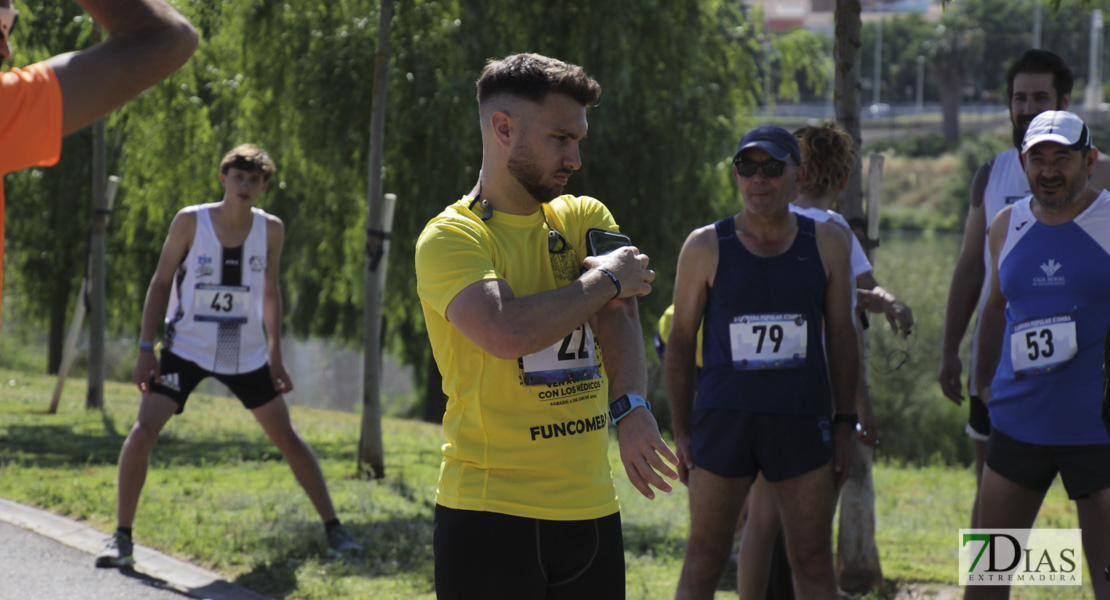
(177, 574)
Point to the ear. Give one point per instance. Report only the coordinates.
(223, 183)
(1092, 158)
(735, 175)
(1021, 157)
(503, 127)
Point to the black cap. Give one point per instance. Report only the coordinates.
(773, 140)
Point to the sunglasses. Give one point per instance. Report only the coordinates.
(747, 168)
(8, 19)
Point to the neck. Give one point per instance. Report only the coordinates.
(1064, 214)
(504, 192)
(805, 200)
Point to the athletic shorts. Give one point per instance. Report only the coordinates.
(495, 556)
(180, 377)
(1084, 469)
(978, 420)
(740, 443)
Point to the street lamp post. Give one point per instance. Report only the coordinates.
(919, 102)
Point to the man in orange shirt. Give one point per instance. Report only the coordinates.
(148, 41)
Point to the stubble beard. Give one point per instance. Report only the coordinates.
(522, 166)
(1074, 189)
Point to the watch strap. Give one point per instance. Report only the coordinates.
(621, 407)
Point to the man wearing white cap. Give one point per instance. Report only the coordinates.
(1040, 343)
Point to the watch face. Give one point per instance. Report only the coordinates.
(619, 406)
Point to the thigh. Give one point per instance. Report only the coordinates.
(583, 559)
(807, 503)
(715, 503)
(1094, 521)
(179, 377)
(1005, 504)
(486, 555)
(1084, 470)
(1028, 465)
(788, 446)
(253, 389)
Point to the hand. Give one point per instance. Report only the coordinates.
(844, 449)
(282, 382)
(899, 316)
(685, 458)
(949, 378)
(868, 430)
(629, 266)
(640, 446)
(146, 371)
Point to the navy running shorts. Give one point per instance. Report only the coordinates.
(180, 377)
(1083, 469)
(740, 443)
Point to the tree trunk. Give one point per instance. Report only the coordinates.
(56, 336)
(950, 90)
(857, 557)
(846, 98)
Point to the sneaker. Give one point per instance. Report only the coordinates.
(340, 542)
(119, 552)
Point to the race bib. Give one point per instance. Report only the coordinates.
(768, 341)
(574, 358)
(1040, 346)
(221, 303)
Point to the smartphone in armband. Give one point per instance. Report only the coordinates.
(601, 241)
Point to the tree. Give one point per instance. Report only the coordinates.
(951, 54)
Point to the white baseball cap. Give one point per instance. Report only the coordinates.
(1058, 126)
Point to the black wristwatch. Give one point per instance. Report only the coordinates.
(620, 407)
(849, 418)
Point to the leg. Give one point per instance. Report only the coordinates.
(274, 418)
(154, 411)
(714, 507)
(807, 503)
(753, 566)
(1094, 520)
(1003, 504)
(980, 462)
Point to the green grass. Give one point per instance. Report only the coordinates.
(221, 497)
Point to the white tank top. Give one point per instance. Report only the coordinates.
(1007, 185)
(214, 317)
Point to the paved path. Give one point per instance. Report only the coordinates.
(44, 556)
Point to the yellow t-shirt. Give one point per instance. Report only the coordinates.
(665, 323)
(516, 445)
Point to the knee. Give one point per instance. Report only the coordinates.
(288, 439)
(706, 559)
(812, 560)
(143, 434)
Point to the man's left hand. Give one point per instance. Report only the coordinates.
(844, 450)
(641, 447)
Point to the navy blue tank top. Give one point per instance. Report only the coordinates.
(763, 319)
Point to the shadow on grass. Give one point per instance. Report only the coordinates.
(393, 548)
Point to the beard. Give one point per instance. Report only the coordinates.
(1074, 189)
(522, 166)
(1019, 128)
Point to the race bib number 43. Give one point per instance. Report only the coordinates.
(221, 303)
(1044, 345)
(768, 341)
(574, 358)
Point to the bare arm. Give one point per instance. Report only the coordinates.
(174, 250)
(271, 303)
(149, 41)
(878, 300)
(841, 345)
(696, 265)
(489, 314)
(963, 292)
(622, 346)
(993, 327)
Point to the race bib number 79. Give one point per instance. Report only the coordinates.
(768, 341)
(221, 303)
(1044, 345)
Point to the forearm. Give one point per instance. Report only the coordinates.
(681, 376)
(963, 296)
(622, 346)
(271, 320)
(154, 309)
(991, 330)
(844, 371)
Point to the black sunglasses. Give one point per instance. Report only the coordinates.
(747, 168)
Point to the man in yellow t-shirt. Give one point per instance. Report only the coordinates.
(149, 40)
(534, 336)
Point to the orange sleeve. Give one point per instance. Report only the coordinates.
(30, 118)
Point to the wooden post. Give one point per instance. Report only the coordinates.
(96, 273)
(857, 555)
(70, 347)
(371, 454)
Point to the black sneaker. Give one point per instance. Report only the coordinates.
(340, 542)
(119, 552)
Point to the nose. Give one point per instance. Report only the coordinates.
(572, 157)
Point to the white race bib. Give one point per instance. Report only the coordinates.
(1045, 345)
(221, 303)
(768, 341)
(571, 359)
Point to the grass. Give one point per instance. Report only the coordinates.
(220, 496)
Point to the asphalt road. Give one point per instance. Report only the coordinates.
(33, 567)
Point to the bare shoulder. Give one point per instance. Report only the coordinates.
(1100, 178)
(274, 224)
(702, 239)
(184, 223)
(831, 232)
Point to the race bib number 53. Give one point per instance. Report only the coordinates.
(1044, 345)
(221, 303)
(768, 341)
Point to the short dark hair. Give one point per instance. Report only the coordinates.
(1036, 60)
(533, 77)
(250, 158)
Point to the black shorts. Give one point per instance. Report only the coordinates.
(1083, 469)
(740, 443)
(180, 377)
(497, 556)
(978, 420)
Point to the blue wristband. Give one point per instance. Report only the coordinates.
(616, 282)
(146, 346)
